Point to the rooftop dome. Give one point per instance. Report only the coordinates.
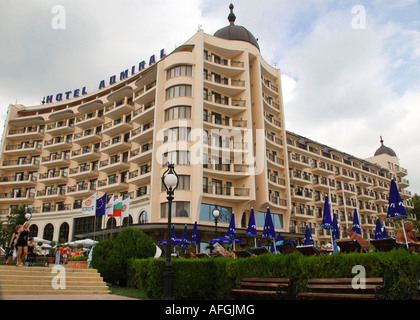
(385, 150)
(233, 32)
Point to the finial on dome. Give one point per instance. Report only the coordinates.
(382, 141)
(231, 16)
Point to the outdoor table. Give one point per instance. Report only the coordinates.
(242, 253)
(350, 245)
(384, 245)
(287, 248)
(308, 250)
(258, 251)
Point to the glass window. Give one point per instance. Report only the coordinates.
(178, 209)
(179, 71)
(182, 90)
(178, 112)
(207, 209)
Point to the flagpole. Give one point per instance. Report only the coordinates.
(345, 211)
(331, 212)
(94, 228)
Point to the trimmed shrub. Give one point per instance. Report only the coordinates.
(111, 257)
(213, 278)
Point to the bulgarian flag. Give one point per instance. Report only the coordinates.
(117, 207)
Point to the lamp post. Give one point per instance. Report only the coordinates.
(28, 215)
(170, 182)
(216, 214)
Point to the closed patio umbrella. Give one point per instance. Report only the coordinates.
(308, 240)
(396, 210)
(356, 224)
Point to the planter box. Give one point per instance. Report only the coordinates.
(77, 264)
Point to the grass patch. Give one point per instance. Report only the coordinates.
(129, 292)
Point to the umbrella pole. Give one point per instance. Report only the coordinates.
(405, 235)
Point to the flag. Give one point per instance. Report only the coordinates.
(125, 209)
(89, 205)
(100, 205)
(109, 211)
(117, 207)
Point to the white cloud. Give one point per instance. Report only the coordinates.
(341, 87)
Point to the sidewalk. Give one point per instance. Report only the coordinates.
(67, 297)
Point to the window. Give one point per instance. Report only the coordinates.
(178, 112)
(184, 183)
(176, 157)
(178, 91)
(207, 209)
(179, 71)
(179, 209)
(177, 134)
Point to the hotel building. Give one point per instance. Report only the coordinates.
(214, 108)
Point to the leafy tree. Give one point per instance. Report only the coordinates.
(111, 257)
(416, 211)
(15, 218)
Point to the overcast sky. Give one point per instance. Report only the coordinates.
(350, 69)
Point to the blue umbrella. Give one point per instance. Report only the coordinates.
(272, 248)
(356, 224)
(279, 242)
(378, 230)
(396, 208)
(231, 233)
(326, 218)
(194, 235)
(384, 233)
(184, 239)
(174, 240)
(308, 240)
(268, 231)
(251, 231)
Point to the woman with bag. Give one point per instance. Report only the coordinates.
(12, 245)
(22, 244)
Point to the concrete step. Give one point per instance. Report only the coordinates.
(40, 280)
(52, 292)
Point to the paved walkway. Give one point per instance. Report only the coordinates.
(67, 297)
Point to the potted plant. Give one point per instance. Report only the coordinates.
(77, 262)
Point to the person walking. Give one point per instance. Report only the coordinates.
(12, 244)
(22, 244)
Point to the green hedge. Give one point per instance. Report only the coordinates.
(213, 278)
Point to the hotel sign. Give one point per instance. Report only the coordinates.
(102, 84)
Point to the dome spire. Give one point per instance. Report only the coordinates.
(231, 16)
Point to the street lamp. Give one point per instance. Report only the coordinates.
(170, 182)
(28, 215)
(216, 214)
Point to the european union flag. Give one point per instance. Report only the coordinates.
(100, 206)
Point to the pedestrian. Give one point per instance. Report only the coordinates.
(12, 245)
(22, 244)
(65, 253)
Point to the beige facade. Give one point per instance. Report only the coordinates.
(214, 108)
